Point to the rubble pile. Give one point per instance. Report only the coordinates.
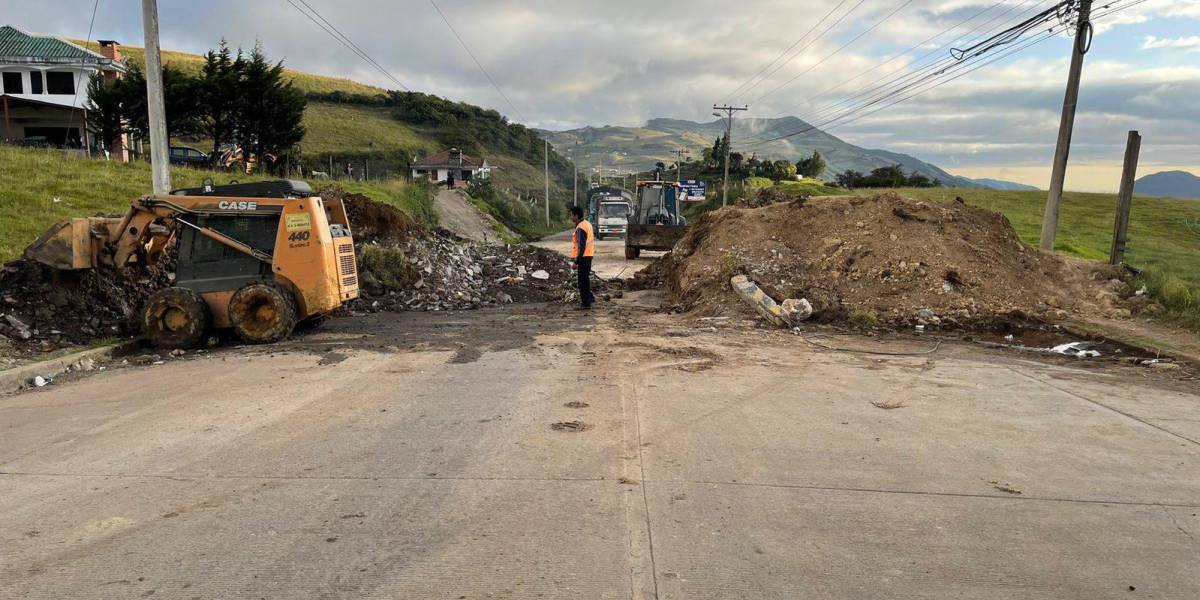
(771, 195)
(45, 309)
(452, 275)
(887, 261)
(373, 221)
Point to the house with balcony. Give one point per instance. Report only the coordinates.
(43, 89)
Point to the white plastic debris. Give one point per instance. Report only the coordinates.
(1076, 349)
(40, 381)
(540, 274)
(1142, 291)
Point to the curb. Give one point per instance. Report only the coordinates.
(18, 378)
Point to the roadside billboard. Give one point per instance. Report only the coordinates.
(694, 190)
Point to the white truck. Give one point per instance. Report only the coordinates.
(608, 210)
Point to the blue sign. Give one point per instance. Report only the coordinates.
(694, 189)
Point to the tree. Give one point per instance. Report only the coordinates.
(179, 102)
(218, 96)
(811, 167)
(849, 179)
(270, 110)
(104, 108)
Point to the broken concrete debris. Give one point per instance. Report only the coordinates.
(791, 312)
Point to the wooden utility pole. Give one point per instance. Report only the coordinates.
(729, 110)
(547, 173)
(1133, 146)
(1083, 41)
(679, 154)
(160, 147)
(575, 168)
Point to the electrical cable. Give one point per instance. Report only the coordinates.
(806, 47)
(915, 70)
(810, 340)
(353, 46)
(730, 95)
(341, 38)
(472, 55)
(924, 80)
(831, 54)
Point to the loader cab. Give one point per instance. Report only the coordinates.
(265, 235)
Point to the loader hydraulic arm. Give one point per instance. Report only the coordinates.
(138, 230)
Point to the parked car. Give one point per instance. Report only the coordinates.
(184, 155)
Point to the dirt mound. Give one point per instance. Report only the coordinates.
(372, 221)
(42, 309)
(883, 260)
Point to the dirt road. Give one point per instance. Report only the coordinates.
(456, 213)
(609, 262)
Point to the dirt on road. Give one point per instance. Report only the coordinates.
(887, 260)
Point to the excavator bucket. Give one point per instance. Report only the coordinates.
(74, 244)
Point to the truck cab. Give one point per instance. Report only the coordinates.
(608, 211)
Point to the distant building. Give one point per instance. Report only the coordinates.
(43, 88)
(451, 166)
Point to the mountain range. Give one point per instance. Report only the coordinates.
(1176, 184)
(638, 148)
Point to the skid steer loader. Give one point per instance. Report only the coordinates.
(258, 258)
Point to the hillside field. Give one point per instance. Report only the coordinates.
(39, 188)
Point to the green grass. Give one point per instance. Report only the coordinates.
(812, 187)
(1159, 236)
(349, 128)
(1161, 242)
(39, 188)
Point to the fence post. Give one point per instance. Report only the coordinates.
(1133, 146)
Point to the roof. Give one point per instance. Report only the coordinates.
(442, 159)
(18, 45)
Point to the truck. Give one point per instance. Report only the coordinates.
(608, 210)
(656, 222)
(257, 258)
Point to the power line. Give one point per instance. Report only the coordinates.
(788, 49)
(830, 55)
(472, 55)
(829, 124)
(343, 39)
(806, 47)
(900, 81)
(87, 42)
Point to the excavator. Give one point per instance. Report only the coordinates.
(258, 258)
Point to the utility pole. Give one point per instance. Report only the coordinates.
(1083, 42)
(547, 146)
(679, 154)
(1133, 146)
(729, 110)
(159, 146)
(575, 169)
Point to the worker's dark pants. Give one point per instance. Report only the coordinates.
(585, 281)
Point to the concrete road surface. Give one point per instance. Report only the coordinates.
(534, 452)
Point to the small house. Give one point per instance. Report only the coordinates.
(451, 167)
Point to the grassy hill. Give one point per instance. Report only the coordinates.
(39, 188)
(348, 121)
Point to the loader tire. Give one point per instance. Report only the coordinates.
(175, 318)
(632, 252)
(262, 313)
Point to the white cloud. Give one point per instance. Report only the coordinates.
(1189, 43)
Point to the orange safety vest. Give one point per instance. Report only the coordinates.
(589, 248)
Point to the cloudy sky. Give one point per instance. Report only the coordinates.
(567, 63)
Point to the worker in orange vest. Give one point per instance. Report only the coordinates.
(583, 243)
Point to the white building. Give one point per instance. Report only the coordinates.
(43, 87)
(451, 166)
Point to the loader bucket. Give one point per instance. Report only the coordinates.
(74, 244)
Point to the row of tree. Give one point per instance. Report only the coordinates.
(236, 100)
(884, 177)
